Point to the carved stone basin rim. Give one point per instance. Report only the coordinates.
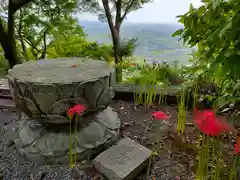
(49, 90)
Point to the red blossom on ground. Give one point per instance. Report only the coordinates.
(209, 124)
(159, 115)
(77, 109)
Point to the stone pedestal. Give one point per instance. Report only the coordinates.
(45, 90)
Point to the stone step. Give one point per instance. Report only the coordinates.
(4, 89)
(7, 104)
(144, 89)
(123, 161)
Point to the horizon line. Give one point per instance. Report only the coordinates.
(132, 22)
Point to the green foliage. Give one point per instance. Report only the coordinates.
(39, 21)
(3, 63)
(230, 93)
(214, 29)
(73, 46)
(156, 74)
(127, 46)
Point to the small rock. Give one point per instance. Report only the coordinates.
(127, 124)
(78, 174)
(135, 136)
(114, 109)
(10, 143)
(126, 134)
(6, 122)
(30, 177)
(124, 161)
(42, 176)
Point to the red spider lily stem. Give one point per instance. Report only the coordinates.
(76, 110)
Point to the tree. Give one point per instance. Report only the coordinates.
(114, 12)
(34, 26)
(214, 29)
(77, 46)
(40, 21)
(7, 39)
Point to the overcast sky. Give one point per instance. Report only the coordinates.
(160, 11)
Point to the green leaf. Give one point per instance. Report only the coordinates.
(224, 29)
(191, 8)
(177, 33)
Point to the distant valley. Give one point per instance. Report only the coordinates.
(155, 41)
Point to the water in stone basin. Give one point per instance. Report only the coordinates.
(45, 90)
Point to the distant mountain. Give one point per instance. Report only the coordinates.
(155, 41)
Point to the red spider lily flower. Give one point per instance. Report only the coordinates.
(159, 115)
(77, 109)
(237, 145)
(129, 65)
(209, 124)
(236, 148)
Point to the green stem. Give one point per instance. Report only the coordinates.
(75, 140)
(206, 156)
(70, 144)
(233, 170)
(195, 95)
(200, 159)
(218, 158)
(213, 160)
(202, 170)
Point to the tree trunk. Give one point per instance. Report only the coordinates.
(11, 49)
(118, 59)
(115, 29)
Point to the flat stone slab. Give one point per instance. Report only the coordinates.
(123, 161)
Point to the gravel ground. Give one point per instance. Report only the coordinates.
(136, 124)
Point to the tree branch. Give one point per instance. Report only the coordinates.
(3, 35)
(127, 10)
(20, 35)
(118, 14)
(44, 45)
(108, 15)
(30, 43)
(114, 31)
